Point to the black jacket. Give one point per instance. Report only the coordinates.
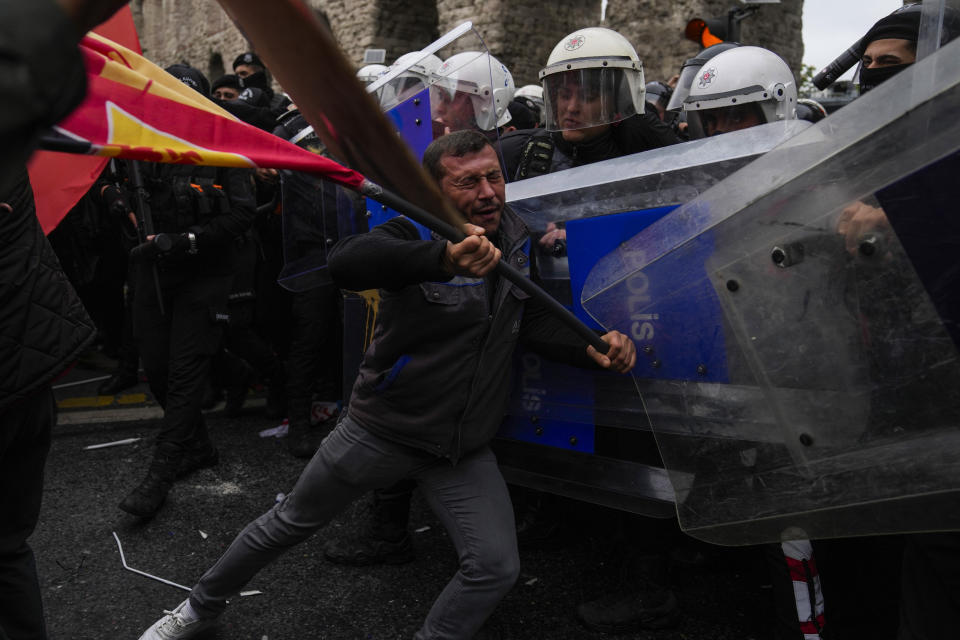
(437, 374)
(43, 325)
(42, 78)
(217, 204)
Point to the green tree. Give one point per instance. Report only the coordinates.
(805, 87)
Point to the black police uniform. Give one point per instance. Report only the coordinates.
(178, 337)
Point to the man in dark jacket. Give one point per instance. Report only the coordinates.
(43, 326)
(42, 330)
(181, 304)
(595, 113)
(430, 395)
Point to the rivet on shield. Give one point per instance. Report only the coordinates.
(787, 255)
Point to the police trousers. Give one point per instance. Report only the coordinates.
(176, 345)
(470, 499)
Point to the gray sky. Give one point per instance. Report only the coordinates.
(830, 26)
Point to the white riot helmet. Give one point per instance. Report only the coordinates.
(532, 91)
(482, 78)
(597, 67)
(741, 83)
(369, 73)
(418, 67)
(531, 95)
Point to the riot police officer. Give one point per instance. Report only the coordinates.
(180, 308)
(471, 90)
(740, 88)
(593, 93)
(254, 77)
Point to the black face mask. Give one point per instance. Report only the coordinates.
(872, 78)
(256, 80)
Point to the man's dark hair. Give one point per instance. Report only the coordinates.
(456, 144)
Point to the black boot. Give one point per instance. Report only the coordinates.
(148, 497)
(237, 378)
(276, 392)
(386, 538)
(199, 456)
(302, 440)
(116, 383)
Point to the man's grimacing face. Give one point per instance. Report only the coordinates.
(474, 184)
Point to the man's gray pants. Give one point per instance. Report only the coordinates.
(470, 499)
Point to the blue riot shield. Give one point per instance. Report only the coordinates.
(799, 325)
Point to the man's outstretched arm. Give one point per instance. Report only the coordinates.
(393, 256)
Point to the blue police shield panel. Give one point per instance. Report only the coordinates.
(823, 281)
(585, 433)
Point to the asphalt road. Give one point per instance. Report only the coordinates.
(89, 595)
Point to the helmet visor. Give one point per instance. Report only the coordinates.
(680, 93)
(401, 88)
(461, 95)
(581, 98)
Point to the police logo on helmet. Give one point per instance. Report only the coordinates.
(707, 77)
(574, 43)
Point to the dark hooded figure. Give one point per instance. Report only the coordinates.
(255, 78)
(890, 46)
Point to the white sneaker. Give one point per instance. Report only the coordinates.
(174, 626)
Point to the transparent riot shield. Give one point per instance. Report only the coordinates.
(315, 214)
(584, 433)
(798, 325)
(450, 85)
(602, 204)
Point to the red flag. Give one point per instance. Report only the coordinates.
(135, 110)
(58, 180)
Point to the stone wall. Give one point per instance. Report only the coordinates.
(656, 30)
(519, 33)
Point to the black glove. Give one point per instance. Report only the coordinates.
(179, 243)
(163, 244)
